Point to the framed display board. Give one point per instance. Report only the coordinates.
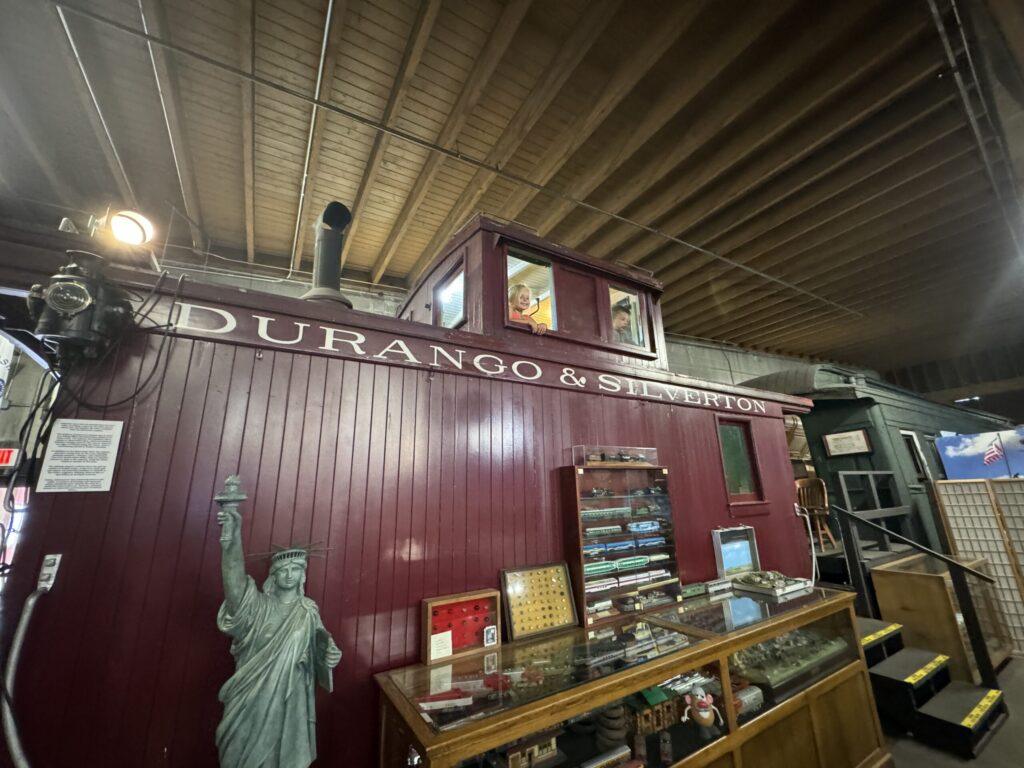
(538, 599)
(847, 443)
(461, 624)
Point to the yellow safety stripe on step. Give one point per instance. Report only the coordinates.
(868, 640)
(927, 669)
(981, 708)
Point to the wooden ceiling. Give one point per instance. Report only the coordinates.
(814, 161)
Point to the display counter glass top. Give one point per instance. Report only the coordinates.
(448, 695)
(736, 610)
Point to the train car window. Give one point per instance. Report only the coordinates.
(531, 292)
(627, 320)
(738, 460)
(450, 300)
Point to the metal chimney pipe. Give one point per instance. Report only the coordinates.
(330, 239)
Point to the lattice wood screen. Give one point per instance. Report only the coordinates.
(979, 525)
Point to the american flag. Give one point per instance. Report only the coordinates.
(994, 452)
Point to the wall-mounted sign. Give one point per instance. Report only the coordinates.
(847, 443)
(80, 456)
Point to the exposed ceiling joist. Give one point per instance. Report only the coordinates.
(674, 98)
(774, 94)
(850, 234)
(738, 198)
(622, 82)
(960, 225)
(154, 22)
(871, 200)
(334, 19)
(247, 91)
(494, 50)
(596, 17)
(418, 39)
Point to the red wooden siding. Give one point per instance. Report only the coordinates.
(418, 482)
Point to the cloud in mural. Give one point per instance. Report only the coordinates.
(971, 445)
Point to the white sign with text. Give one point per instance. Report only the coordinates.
(80, 456)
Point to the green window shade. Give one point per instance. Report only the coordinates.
(739, 470)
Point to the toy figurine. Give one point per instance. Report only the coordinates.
(701, 705)
(281, 652)
(665, 744)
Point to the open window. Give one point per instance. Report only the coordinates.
(739, 461)
(450, 299)
(627, 317)
(531, 293)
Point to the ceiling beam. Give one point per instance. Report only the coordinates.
(961, 227)
(723, 51)
(777, 100)
(247, 89)
(494, 50)
(857, 289)
(419, 36)
(596, 17)
(758, 312)
(631, 70)
(946, 193)
(813, 151)
(734, 228)
(334, 19)
(872, 199)
(154, 22)
(811, 136)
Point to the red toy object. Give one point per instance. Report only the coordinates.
(459, 624)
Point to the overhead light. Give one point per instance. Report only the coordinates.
(131, 227)
(972, 399)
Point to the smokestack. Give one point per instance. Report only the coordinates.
(330, 238)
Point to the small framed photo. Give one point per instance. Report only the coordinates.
(460, 624)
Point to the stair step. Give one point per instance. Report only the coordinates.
(906, 681)
(880, 639)
(961, 718)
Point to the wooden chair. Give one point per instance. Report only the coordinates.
(812, 496)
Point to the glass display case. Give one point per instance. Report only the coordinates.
(613, 456)
(450, 695)
(656, 726)
(767, 673)
(683, 686)
(620, 541)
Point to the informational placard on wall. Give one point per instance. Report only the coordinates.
(847, 443)
(80, 456)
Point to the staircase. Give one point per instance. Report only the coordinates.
(914, 694)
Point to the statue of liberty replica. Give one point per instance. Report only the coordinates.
(281, 649)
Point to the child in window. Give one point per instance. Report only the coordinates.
(519, 300)
(621, 321)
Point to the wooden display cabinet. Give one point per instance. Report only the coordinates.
(917, 592)
(618, 528)
(824, 719)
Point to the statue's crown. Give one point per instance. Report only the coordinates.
(288, 555)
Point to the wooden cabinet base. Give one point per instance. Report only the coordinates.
(830, 723)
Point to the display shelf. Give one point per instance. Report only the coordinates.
(583, 693)
(593, 522)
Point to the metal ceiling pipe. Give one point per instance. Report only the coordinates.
(123, 182)
(330, 239)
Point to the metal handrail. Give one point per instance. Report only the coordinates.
(919, 547)
(957, 574)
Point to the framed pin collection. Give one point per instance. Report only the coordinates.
(538, 599)
(461, 624)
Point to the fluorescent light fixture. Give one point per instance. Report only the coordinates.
(131, 227)
(971, 399)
